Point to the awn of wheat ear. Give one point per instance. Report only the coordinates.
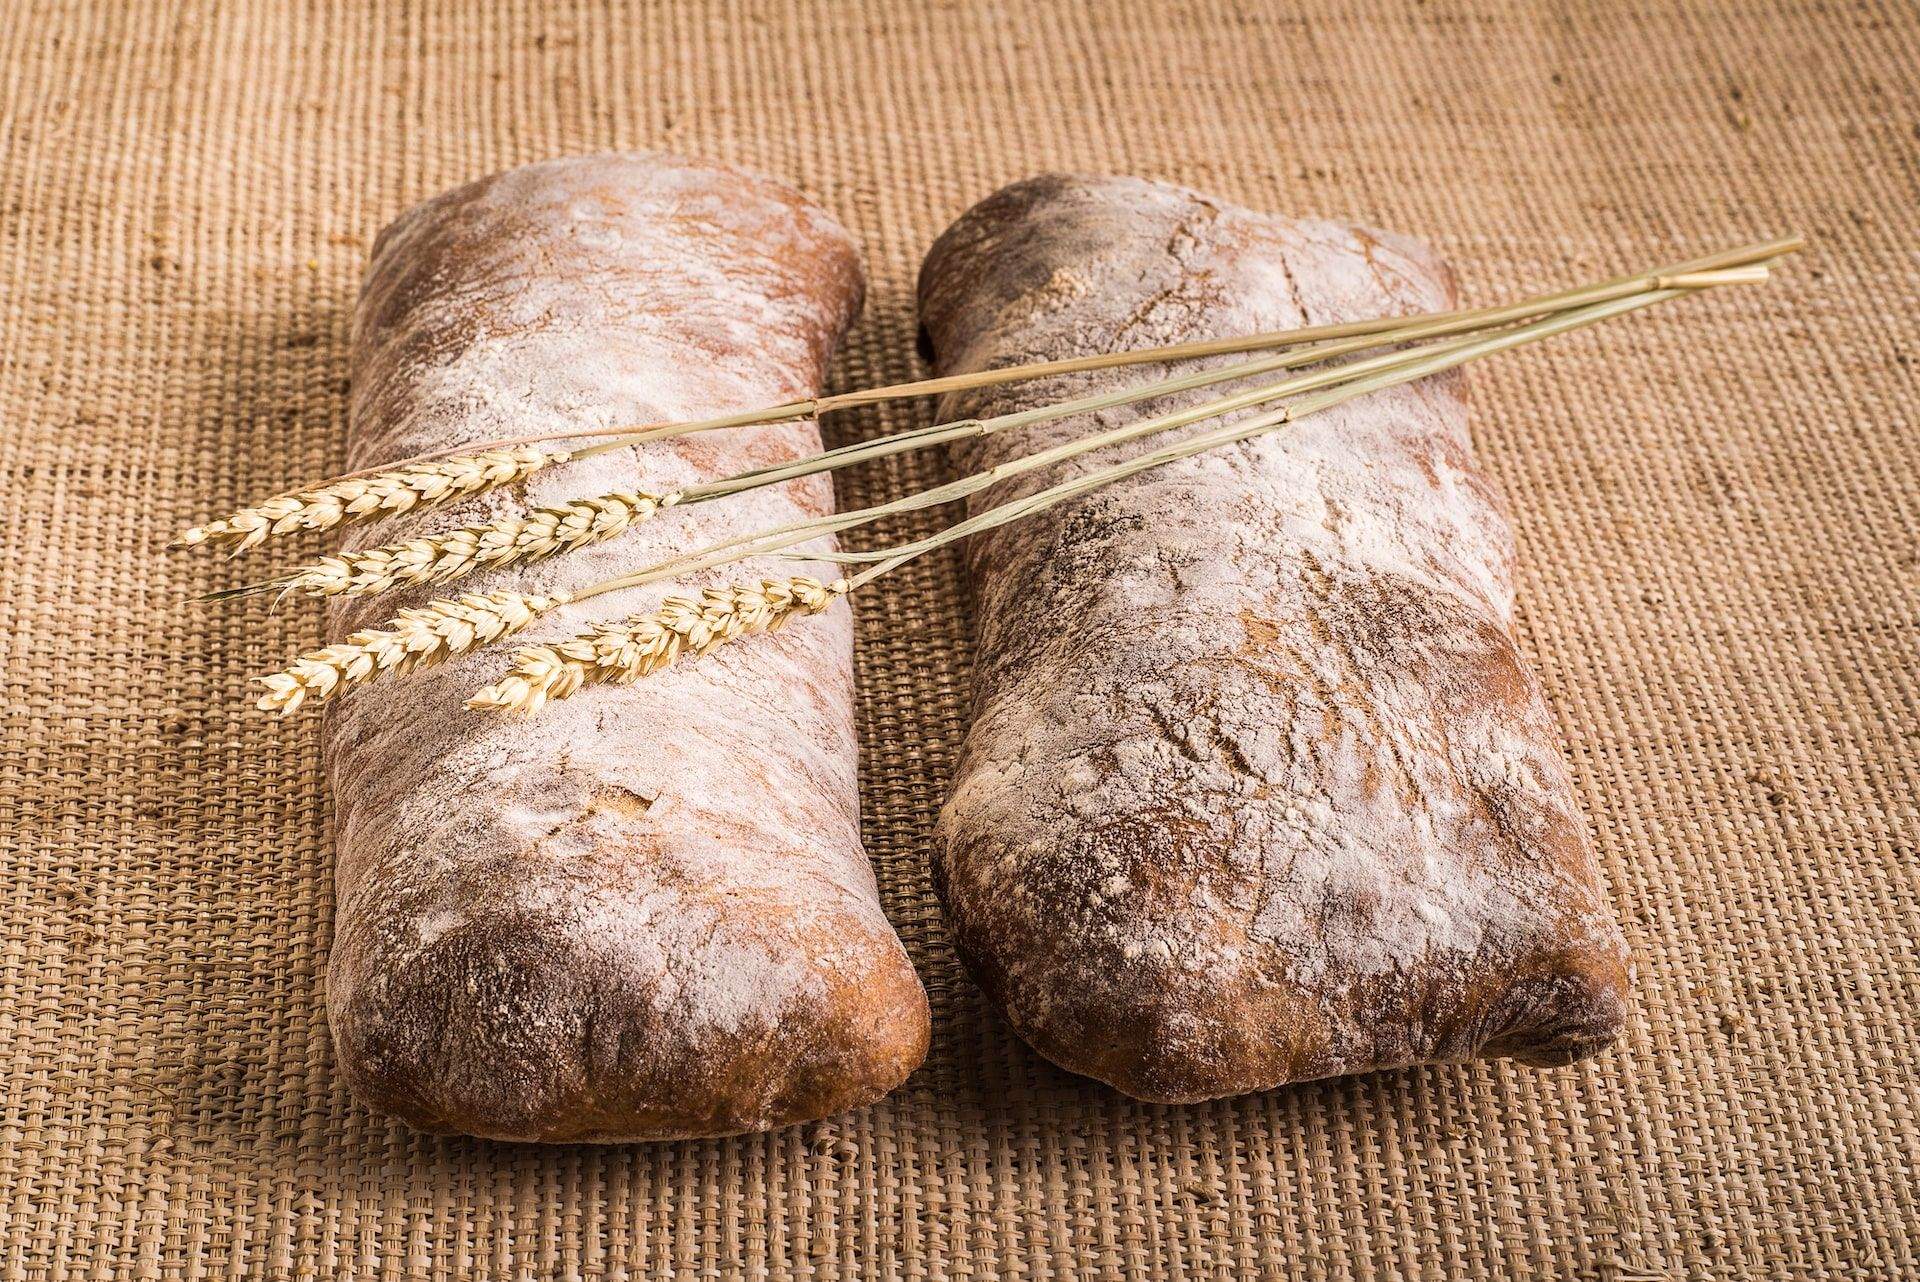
(624, 652)
(415, 638)
(401, 490)
(439, 558)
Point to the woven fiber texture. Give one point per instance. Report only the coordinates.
(1717, 506)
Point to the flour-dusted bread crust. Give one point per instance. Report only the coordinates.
(1258, 787)
(644, 913)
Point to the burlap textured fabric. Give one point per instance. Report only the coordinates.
(1717, 504)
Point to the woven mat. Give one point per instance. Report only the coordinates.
(1717, 507)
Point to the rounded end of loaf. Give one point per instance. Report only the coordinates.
(1572, 1007)
(1136, 980)
(1167, 1035)
(598, 216)
(532, 1027)
(1144, 1029)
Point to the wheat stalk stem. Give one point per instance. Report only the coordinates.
(784, 537)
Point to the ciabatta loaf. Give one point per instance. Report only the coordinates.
(644, 913)
(1258, 786)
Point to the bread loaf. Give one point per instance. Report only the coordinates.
(644, 913)
(1258, 787)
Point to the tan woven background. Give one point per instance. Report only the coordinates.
(1717, 505)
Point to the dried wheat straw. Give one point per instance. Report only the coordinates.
(402, 489)
(415, 638)
(620, 653)
(628, 651)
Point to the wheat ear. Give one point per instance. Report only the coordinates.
(439, 558)
(624, 652)
(402, 489)
(415, 638)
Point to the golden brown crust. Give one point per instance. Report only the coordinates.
(644, 913)
(1258, 787)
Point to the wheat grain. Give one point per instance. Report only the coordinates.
(414, 638)
(403, 489)
(624, 652)
(441, 558)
